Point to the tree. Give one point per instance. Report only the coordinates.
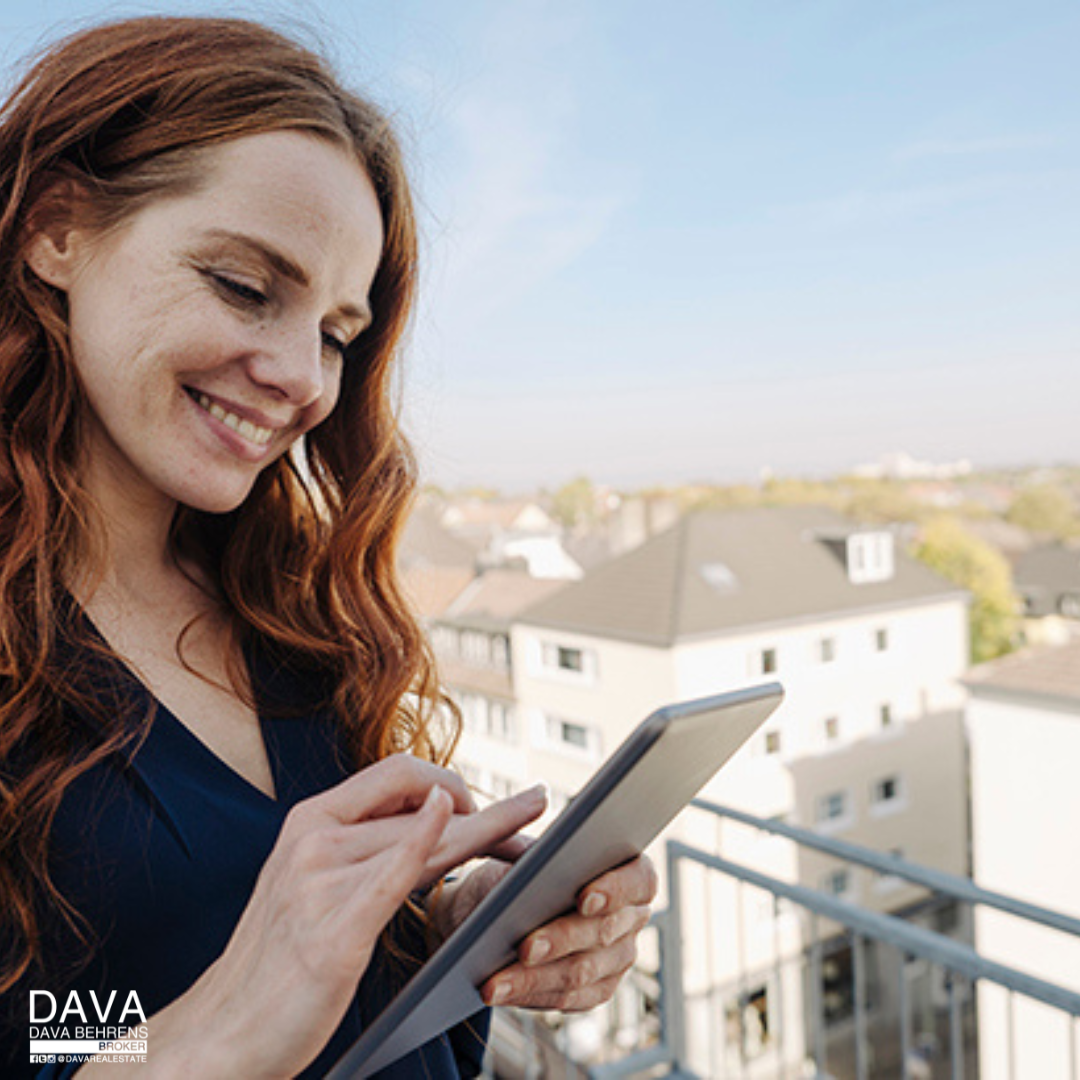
(949, 549)
(574, 504)
(1045, 508)
(883, 501)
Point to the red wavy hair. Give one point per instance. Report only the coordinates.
(308, 561)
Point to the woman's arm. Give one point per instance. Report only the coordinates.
(344, 863)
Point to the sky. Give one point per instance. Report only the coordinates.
(694, 241)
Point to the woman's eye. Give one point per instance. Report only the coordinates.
(238, 290)
(334, 344)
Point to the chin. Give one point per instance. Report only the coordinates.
(208, 501)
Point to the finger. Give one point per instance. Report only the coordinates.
(511, 850)
(466, 836)
(488, 831)
(634, 882)
(535, 987)
(576, 933)
(400, 864)
(396, 784)
(570, 1001)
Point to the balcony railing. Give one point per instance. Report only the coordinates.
(877, 995)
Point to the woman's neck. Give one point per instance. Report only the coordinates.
(137, 563)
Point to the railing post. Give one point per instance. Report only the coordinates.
(673, 1008)
(905, 1018)
(781, 1034)
(956, 1041)
(817, 1018)
(857, 945)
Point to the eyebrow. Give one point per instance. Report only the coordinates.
(288, 268)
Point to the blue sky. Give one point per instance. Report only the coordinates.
(688, 241)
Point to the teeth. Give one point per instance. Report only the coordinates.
(252, 432)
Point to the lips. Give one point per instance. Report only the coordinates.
(245, 428)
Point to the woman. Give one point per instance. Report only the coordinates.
(222, 766)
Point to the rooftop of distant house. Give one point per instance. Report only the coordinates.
(721, 571)
(1049, 674)
(492, 599)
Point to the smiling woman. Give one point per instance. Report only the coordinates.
(224, 787)
(234, 334)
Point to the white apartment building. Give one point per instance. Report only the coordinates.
(868, 745)
(1024, 729)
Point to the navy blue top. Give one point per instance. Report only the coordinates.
(159, 850)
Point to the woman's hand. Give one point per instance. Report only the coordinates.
(576, 961)
(344, 863)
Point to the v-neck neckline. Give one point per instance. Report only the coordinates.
(160, 709)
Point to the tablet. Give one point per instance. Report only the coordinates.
(620, 811)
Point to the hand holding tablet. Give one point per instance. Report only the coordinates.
(658, 769)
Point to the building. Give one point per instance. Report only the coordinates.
(871, 648)
(1024, 729)
(471, 637)
(1048, 579)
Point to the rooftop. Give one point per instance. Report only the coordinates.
(491, 600)
(1050, 674)
(719, 571)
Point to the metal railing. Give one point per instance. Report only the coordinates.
(859, 931)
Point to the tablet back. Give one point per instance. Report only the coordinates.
(663, 764)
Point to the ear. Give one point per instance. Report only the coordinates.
(56, 243)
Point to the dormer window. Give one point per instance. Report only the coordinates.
(870, 557)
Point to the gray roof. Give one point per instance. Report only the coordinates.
(425, 542)
(1047, 574)
(720, 571)
(493, 598)
(1050, 673)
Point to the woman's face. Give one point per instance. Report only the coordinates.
(208, 328)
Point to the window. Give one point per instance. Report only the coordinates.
(881, 639)
(870, 557)
(474, 713)
(832, 728)
(887, 794)
(834, 808)
(501, 721)
(827, 650)
(573, 734)
(475, 647)
(768, 661)
(576, 738)
(837, 882)
(838, 985)
(567, 661)
(886, 790)
(772, 742)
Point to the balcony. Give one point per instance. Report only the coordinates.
(840, 992)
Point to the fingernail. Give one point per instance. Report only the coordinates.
(594, 904)
(537, 793)
(501, 991)
(538, 950)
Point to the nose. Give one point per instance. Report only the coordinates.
(292, 366)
